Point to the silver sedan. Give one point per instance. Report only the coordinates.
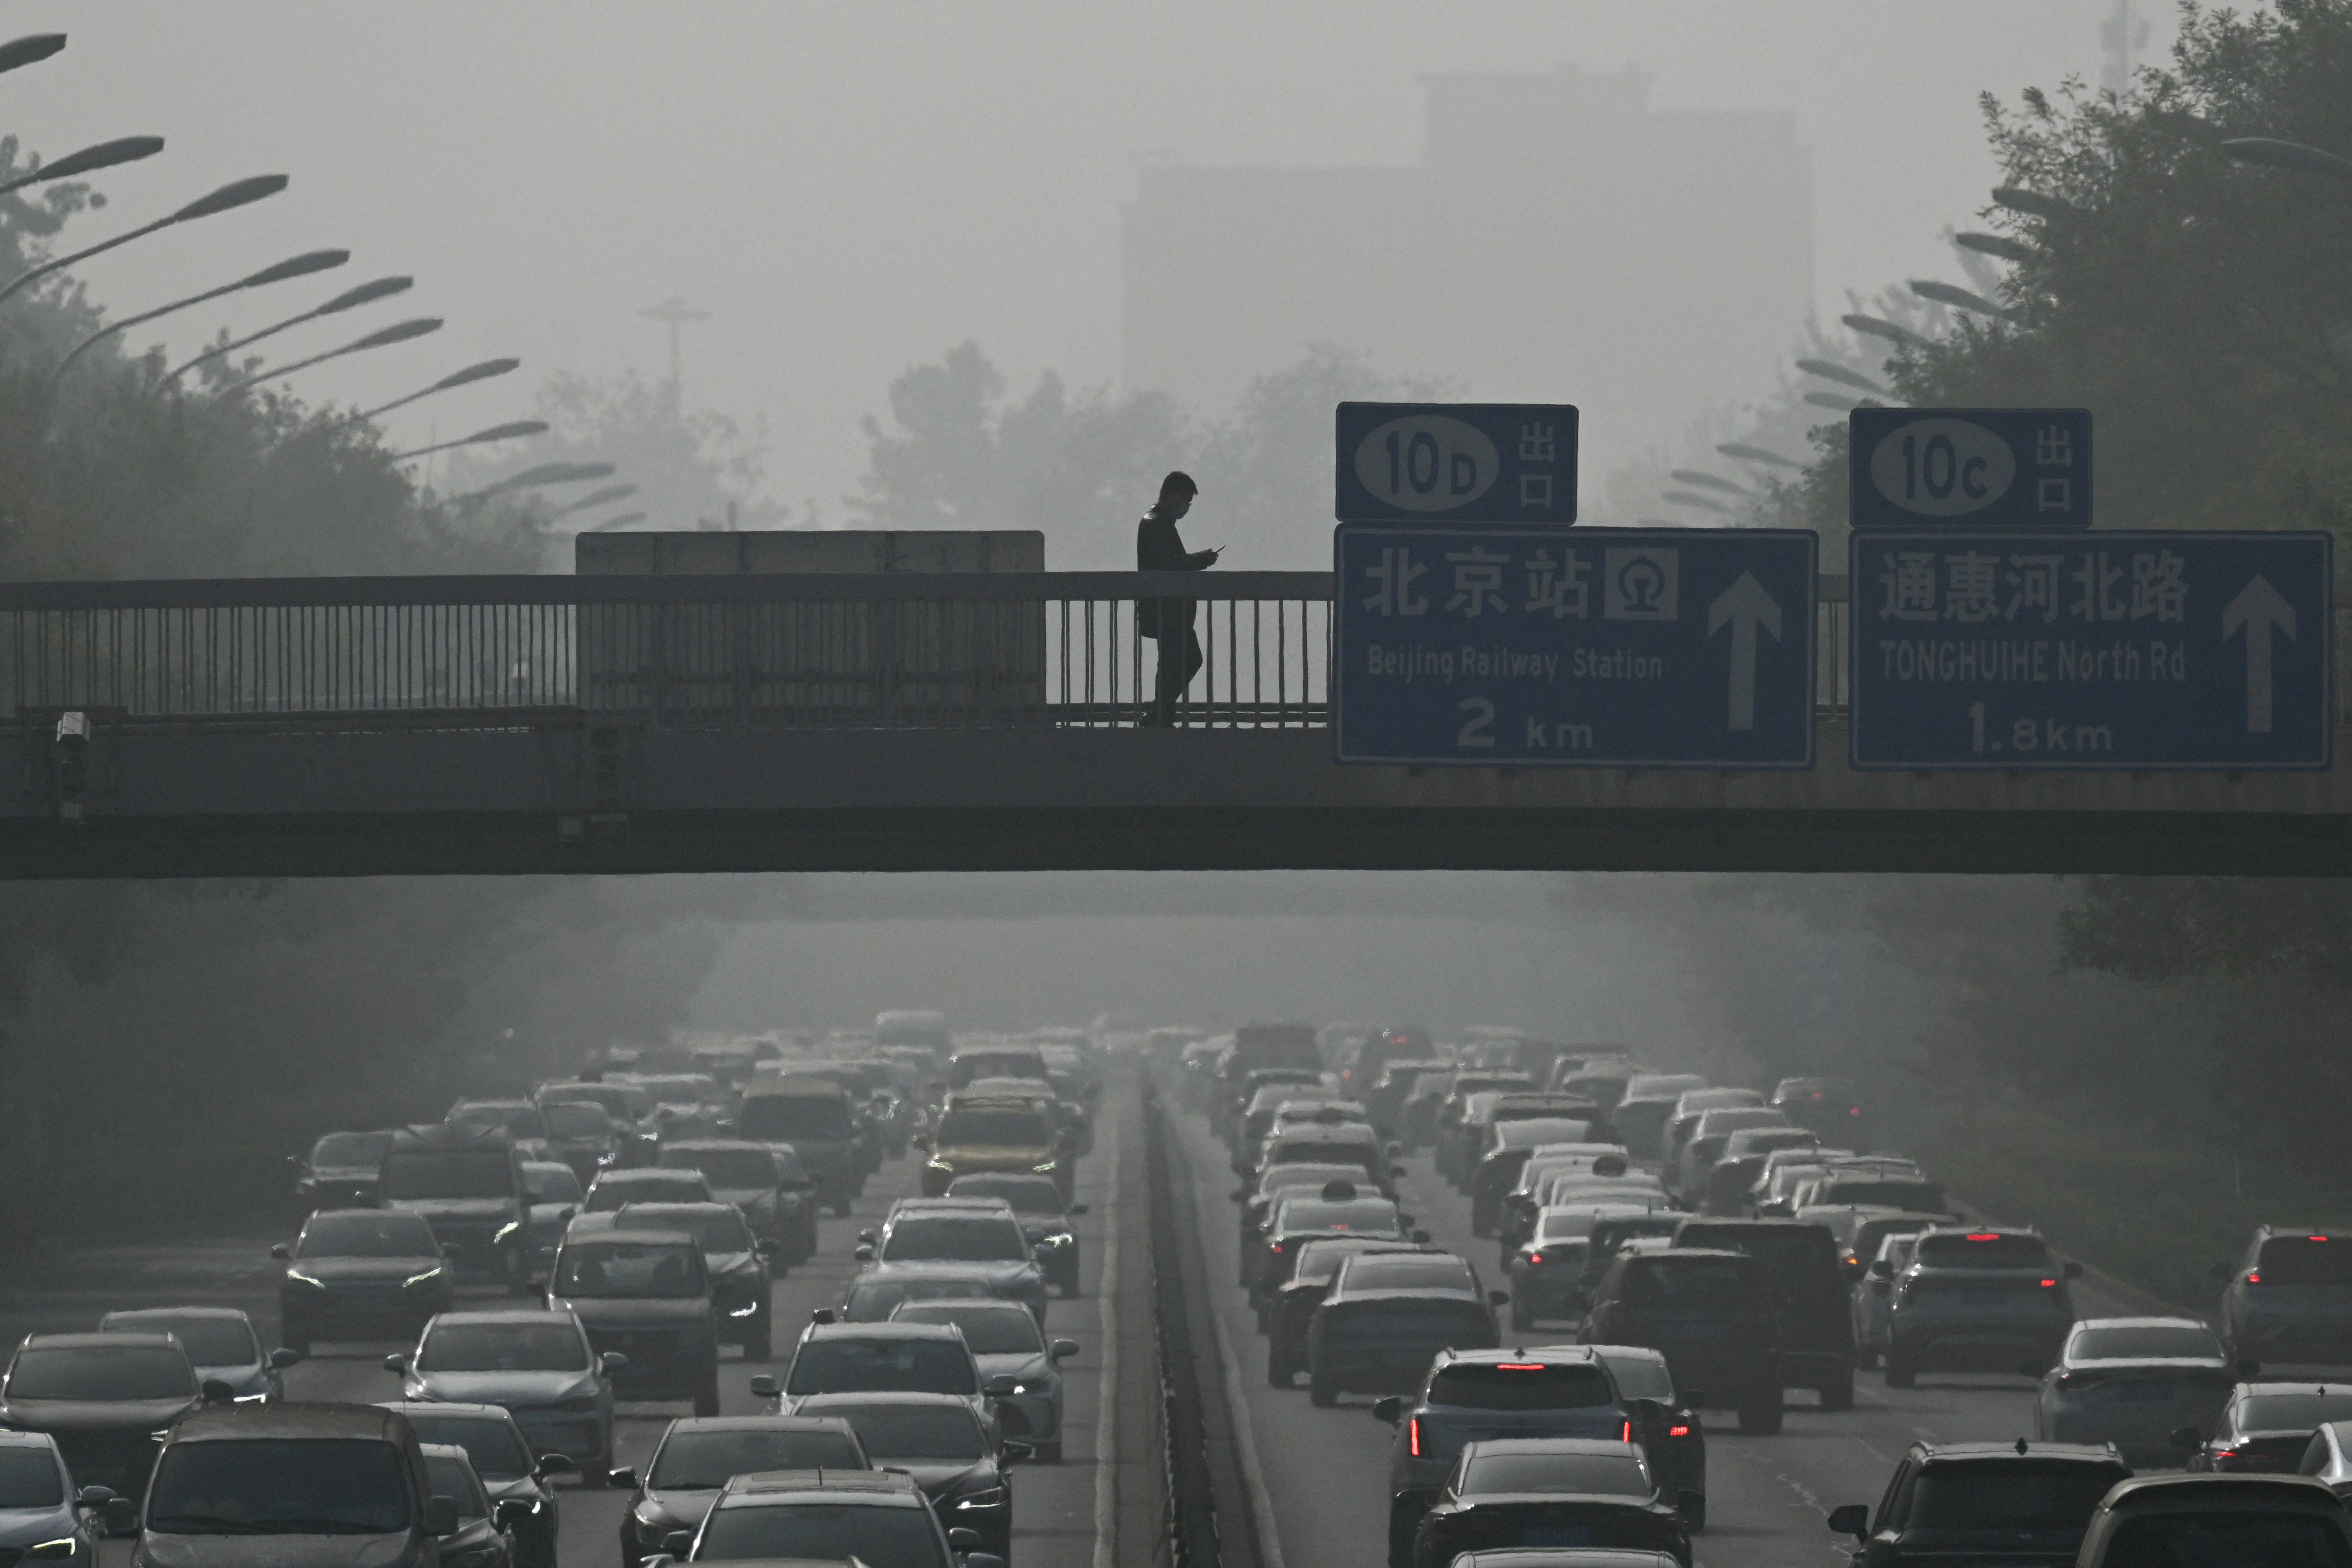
(2134, 1382)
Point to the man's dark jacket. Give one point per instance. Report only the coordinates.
(1159, 548)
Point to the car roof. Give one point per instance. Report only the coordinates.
(2224, 1490)
(112, 1338)
(2073, 1453)
(960, 1304)
(709, 1145)
(11, 1438)
(507, 1315)
(436, 1407)
(886, 1331)
(1679, 1253)
(880, 1396)
(885, 1488)
(771, 1423)
(2142, 1324)
(1560, 1354)
(616, 1237)
(151, 1314)
(1629, 1353)
(289, 1418)
(1566, 1557)
(688, 1208)
(1598, 1446)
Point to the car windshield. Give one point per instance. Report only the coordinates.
(736, 1168)
(490, 1441)
(451, 1476)
(372, 1234)
(2010, 1494)
(1027, 1195)
(607, 1194)
(789, 1116)
(1437, 1272)
(29, 1478)
(2306, 1260)
(271, 1486)
(209, 1341)
(521, 1120)
(988, 1329)
(2247, 1540)
(101, 1372)
(2177, 1341)
(898, 1432)
(503, 1347)
(879, 1537)
(1019, 1129)
(701, 1459)
(573, 1120)
(1982, 1249)
(610, 1098)
(682, 1089)
(1879, 1195)
(1354, 1154)
(603, 1270)
(2301, 1411)
(882, 1366)
(714, 1230)
(350, 1149)
(1690, 1284)
(444, 1173)
(1375, 1215)
(550, 1184)
(959, 1239)
(1617, 1474)
(1512, 1385)
(876, 1300)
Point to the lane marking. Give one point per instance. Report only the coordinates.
(1269, 1540)
(1106, 1382)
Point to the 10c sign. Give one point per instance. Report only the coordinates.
(1970, 468)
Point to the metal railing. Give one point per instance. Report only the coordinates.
(817, 651)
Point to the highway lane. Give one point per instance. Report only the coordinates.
(1324, 1471)
(1054, 1510)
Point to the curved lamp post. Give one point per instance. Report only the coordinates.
(1953, 295)
(610, 523)
(594, 499)
(367, 293)
(30, 49)
(1871, 326)
(382, 338)
(105, 155)
(466, 377)
(300, 266)
(512, 432)
(1839, 373)
(236, 193)
(1747, 454)
(1708, 481)
(2274, 154)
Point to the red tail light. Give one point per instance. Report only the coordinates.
(2253, 1277)
(1627, 1434)
(1519, 1366)
(1535, 1258)
(1413, 1436)
(2050, 1284)
(1985, 1236)
(2315, 1239)
(1677, 1431)
(1853, 1110)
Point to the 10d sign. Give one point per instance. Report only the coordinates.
(1970, 468)
(1455, 462)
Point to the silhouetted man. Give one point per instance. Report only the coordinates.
(1159, 548)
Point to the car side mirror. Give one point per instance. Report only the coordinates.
(1013, 1453)
(1077, 1208)
(217, 1392)
(825, 1315)
(510, 1512)
(612, 1362)
(94, 1496)
(1000, 1386)
(283, 1357)
(280, 1251)
(121, 1516)
(1406, 1219)
(1647, 1409)
(1389, 1409)
(1065, 1349)
(396, 1362)
(678, 1542)
(2073, 1272)
(1851, 1519)
(1419, 1238)
(440, 1515)
(965, 1539)
(1499, 1298)
(554, 1464)
(866, 1237)
(2187, 1438)
(863, 1252)
(764, 1384)
(765, 1249)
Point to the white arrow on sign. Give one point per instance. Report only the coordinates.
(2258, 608)
(1746, 606)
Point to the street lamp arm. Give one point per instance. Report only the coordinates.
(512, 432)
(293, 267)
(234, 195)
(364, 294)
(466, 377)
(2274, 153)
(105, 155)
(375, 340)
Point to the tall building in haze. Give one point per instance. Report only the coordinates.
(1559, 240)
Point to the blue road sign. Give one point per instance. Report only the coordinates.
(2121, 650)
(1651, 647)
(1969, 468)
(1456, 462)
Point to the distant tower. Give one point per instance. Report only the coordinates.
(675, 314)
(2124, 36)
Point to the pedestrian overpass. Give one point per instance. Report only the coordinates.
(283, 727)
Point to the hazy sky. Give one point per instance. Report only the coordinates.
(852, 187)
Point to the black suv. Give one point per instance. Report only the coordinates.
(467, 1183)
(1813, 1306)
(1984, 1503)
(1710, 1312)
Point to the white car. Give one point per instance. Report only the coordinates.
(2134, 1382)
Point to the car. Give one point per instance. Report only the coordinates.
(631, 1108)
(765, 1181)
(521, 1118)
(1045, 1215)
(262, 1485)
(483, 1536)
(1845, 1185)
(1977, 1301)
(2264, 1427)
(1559, 1391)
(359, 1274)
(885, 1358)
(2217, 1519)
(555, 1197)
(987, 1237)
(879, 1517)
(1384, 1099)
(737, 1264)
(1813, 1329)
(698, 1456)
(1640, 1117)
(1547, 1272)
(1549, 1492)
(813, 1117)
(1984, 1502)
(503, 1462)
(466, 1182)
(1509, 1146)
(1785, 1171)
(1386, 1315)
(2289, 1299)
(1314, 1264)
(1338, 1209)
(1691, 1105)
(1005, 1341)
(645, 1295)
(995, 1132)
(1874, 1298)
(220, 1340)
(1622, 1225)
(1704, 1144)
(1666, 1424)
(41, 1507)
(2134, 1383)
(1462, 1101)
(1710, 1312)
(584, 1137)
(1602, 1079)
(872, 1294)
(341, 1169)
(1831, 1107)
(1258, 1198)
(1516, 1216)
(1724, 1192)
(937, 1439)
(1861, 1232)
(538, 1364)
(646, 1184)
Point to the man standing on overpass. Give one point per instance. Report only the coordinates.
(1159, 548)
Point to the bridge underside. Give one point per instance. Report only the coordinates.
(568, 795)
